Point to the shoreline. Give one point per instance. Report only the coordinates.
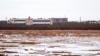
(52, 32)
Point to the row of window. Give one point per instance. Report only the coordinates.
(41, 21)
(60, 20)
(34, 20)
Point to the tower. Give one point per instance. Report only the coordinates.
(80, 19)
(29, 21)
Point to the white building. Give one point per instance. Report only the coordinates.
(17, 20)
(27, 21)
(31, 21)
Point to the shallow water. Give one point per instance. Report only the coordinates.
(23, 45)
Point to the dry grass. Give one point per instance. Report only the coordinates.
(52, 32)
(28, 43)
(8, 46)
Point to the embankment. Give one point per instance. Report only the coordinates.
(66, 26)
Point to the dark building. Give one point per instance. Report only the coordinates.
(59, 20)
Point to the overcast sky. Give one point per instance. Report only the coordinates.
(73, 9)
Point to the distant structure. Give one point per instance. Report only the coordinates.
(80, 19)
(17, 21)
(42, 21)
(93, 22)
(31, 21)
(59, 20)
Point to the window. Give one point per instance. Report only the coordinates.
(41, 20)
(19, 20)
(57, 20)
(64, 19)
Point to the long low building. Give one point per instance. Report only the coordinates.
(17, 20)
(42, 21)
(31, 21)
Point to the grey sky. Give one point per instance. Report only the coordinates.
(73, 9)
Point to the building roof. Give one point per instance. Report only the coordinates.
(59, 18)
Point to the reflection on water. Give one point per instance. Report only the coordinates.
(23, 45)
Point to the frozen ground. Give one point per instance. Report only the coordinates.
(23, 45)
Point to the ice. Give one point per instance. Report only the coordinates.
(49, 45)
